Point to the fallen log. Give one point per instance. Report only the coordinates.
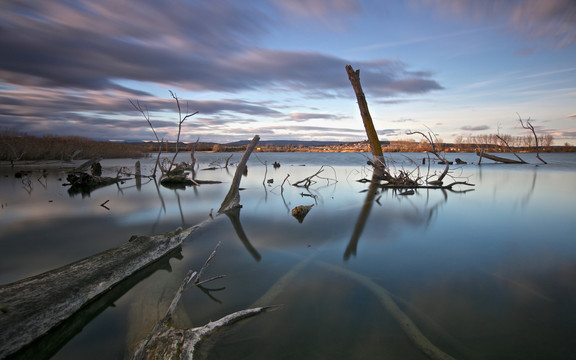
(499, 159)
(85, 183)
(33, 306)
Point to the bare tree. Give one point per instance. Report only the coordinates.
(528, 126)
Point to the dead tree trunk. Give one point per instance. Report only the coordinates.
(232, 199)
(375, 146)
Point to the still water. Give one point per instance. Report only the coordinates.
(484, 272)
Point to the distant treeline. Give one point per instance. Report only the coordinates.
(19, 146)
(15, 146)
(486, 142)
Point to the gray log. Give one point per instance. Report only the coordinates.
(33, 306)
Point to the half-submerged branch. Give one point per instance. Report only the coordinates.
(498, 158)
(408, 326)
(166, 342)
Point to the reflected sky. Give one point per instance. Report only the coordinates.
(488, 272)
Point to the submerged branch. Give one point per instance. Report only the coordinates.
(405, 322)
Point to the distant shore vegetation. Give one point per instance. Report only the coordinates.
(15, 146)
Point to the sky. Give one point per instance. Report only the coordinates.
(276, 68)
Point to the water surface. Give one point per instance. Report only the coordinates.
(487, 273)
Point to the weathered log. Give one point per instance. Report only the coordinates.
(33, 306)
(51, 342)
(85, 165)
(86, 183)
(499, 159)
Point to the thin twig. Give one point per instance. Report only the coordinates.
(197, 280)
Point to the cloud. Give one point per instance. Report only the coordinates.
(475, 128)
(403, 120)
(553, 20)
(62, 64)
(331, 14)
(301, 117)
(571, 116)
(89, 45)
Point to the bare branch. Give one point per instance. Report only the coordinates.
(528, 126)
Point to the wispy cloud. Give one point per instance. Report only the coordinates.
(553, 21)
(475, 128)
(424, 39)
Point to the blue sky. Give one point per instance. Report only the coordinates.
(277, 68)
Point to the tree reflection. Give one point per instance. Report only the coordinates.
(234, 216)
(420, 214)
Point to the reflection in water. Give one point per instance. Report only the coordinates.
(234, 216)
(362, 218)
(489, 273)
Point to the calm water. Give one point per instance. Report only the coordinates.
(485, 274)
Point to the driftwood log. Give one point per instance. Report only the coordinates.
(33, 306)
(498, 158)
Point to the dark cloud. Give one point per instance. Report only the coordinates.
(475, 128)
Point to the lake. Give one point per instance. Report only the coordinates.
(484, 272)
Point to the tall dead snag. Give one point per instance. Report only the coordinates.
(375, 146)
(232, 199)
(180, 122)
(528, 126)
